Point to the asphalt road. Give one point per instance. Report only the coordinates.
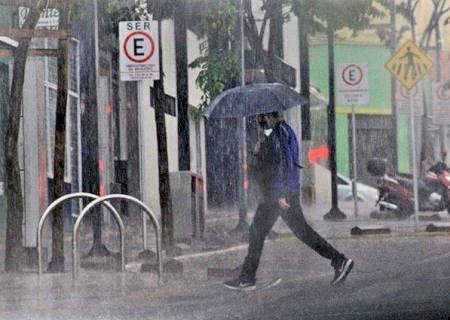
(394, 278)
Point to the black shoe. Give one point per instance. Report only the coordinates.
(341, 271)
(239, 284)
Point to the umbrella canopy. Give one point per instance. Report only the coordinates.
(253, 99)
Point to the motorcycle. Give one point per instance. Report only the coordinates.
(397, 193)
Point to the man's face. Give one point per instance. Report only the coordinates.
(262, 121)
(266, 121)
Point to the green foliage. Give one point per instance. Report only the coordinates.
(218, 68)
(113, 6)
(77, 10)
(147, 7)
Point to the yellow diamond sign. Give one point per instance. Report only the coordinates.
(409, 64)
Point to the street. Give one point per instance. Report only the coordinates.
(395, 277)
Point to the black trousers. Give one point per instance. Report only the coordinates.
(265, 217)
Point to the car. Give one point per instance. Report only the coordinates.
(364, 192)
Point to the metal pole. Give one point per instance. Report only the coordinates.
(242, 44)
(414, 160)
(80, 195)
(442, 128)
(354, 185)
(243, 151)
(304, 78)
(392, 47)
(150, 214)
(97, 247)
(334, 213)
(141, 164)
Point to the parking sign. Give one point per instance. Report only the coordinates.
(353, 88)
(139, 54)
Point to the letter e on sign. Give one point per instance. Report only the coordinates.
(138, 46)
(352, 84)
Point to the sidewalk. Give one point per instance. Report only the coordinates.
(219, 224)
(219, 239)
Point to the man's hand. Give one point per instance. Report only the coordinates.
(257, 147)
(283, 204)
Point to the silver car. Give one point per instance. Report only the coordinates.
(364, 192)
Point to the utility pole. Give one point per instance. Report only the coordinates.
(242, 226)
(308, 191)
(334, 213)
(443, 128)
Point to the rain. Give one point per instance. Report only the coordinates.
(224, 159)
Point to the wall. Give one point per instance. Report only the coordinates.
(379, 95)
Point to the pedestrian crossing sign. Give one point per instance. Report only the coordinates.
(409, 64)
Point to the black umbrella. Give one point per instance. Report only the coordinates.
(253, 99)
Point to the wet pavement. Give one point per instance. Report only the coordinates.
(404, 275)
(393, 278)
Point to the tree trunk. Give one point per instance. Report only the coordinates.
(57, 262)
(14, 248)
(165, 199)
(304, 79)
(256, 42)
(184, 158)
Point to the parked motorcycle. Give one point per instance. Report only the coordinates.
(397, 193)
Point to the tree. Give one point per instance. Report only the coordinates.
(219, 66)
(274, 18)
(438, 16)
(216, 28)
(165, 198)
(14, 249)
(180, 33)
(57, 262)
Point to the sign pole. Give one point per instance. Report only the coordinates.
(354, 185)
(414, 161)
(353, 89)
(242, 225)
(409, 65)
(243, 209)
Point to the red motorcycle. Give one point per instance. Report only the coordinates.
(397, 193)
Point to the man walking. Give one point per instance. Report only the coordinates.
(277, 173)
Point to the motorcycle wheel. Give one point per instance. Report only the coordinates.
(404, 212)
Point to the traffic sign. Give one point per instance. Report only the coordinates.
(139, 54)
(353, 87)
(409, 64)
(441, 103)
(402, 99)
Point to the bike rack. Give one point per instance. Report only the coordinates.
(110, 197)
(72, 196)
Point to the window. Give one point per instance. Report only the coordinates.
(342, 181)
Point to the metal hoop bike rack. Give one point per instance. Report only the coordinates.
(110, 197)
(72, 196)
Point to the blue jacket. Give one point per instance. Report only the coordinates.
(276, 167)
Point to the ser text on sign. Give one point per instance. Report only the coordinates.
(139, 54)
